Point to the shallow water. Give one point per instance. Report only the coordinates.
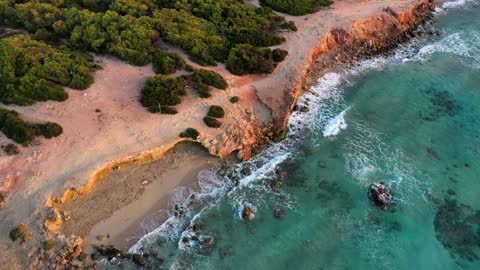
(410, 120)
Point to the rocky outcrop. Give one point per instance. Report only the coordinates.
(68, 255)
(375, 35)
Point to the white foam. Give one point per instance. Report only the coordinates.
(335, 125)
(456, 4)
(464, 45)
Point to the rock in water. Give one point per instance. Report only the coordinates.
(248, 213)
(381, 195)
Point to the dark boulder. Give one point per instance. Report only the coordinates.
(381, 195)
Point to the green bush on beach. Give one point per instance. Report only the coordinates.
(190, 133)
(296, 7)
(202, 79)
(48, 244)
(216, 112)
(22, 132)
(18, 232)
(234, 99)
(247, 59)
(161, 91)
(167, 62)
(35, 71)
(212, 122)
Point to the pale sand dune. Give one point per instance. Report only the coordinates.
(124, 130)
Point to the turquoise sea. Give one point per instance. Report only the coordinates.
(410, 119)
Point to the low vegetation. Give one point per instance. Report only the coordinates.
(133, 30)
(216, 112)
(35, 71)
(48, 244)
(20, 231)
(2, 198)
(15, 128)
(247, 59)
(296, 7)
(190, 133)
(202, 79)
(159, 93)
(212, 122)
(234, 99)
(167, 62)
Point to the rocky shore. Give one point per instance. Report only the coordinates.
(246, 132)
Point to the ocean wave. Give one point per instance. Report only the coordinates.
(464, 45)
(457, 3)
(336, 125)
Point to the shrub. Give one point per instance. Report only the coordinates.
(33, 71)
(189, 68)
(49, 130)
(48, 244)
(168, 110)
(278, 55)
(290, 25)
(234, 99)
(2, 198)
(216, 112)
(19, 231)
(296, 7)
(247, 59)
(161, 91)
(167, 62)
(22, 132)
(190, 133)
(11, 149)
(209, 78)
(212, 122)
(202, 79)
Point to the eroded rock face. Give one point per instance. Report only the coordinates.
(369, 37)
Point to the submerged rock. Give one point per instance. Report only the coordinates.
(279, 212)
(138, 259)
(381, 195)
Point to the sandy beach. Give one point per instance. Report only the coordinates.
(112, 148)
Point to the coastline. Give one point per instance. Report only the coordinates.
(249, 87)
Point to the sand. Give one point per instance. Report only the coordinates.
(134, 198)
(93, 142)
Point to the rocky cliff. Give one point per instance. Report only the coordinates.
(373, 36)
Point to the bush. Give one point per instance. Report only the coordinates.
(234, 99)
(49, 130)
(202, 79)
(48, 244)
(212, 122)
(216, 112)
(296, 7)
(290, 25)
(168, 110)
(33, 71)
(247, 59)
(161, 91)
(22, 132)
(167, 62)
(210, 78)
(11, 149)
(190, 133)
(2, 198)
(278, 55)
(19, 231)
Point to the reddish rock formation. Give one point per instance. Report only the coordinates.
(369, 37)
